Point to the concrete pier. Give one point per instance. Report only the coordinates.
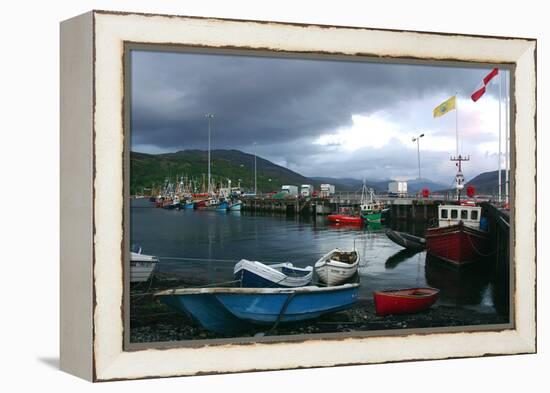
(421, 209)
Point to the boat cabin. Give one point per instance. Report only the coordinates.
(371, 207)
(453, 214)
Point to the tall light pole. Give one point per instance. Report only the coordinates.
(417, 140)
(209, 117)
(255, 172)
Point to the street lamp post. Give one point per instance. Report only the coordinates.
(417, 140)
(255, 173)
(209, 116)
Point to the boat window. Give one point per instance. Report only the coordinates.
(464, 214)
(473, 216)
(444, 213)
(454, 213)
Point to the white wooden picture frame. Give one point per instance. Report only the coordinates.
(92, 195)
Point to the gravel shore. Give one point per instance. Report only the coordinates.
(152, 321)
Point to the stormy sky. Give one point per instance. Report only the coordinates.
(316, 117)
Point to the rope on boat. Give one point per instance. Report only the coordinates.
(281, 313)
(477, 251)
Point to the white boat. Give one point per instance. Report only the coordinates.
(141, 266)
(254, 274)
(337, 266)
(236, 206)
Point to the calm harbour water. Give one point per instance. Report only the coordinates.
(212, 242)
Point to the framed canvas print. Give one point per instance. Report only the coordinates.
(246, 195)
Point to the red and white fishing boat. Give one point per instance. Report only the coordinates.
(458, 238)
(404, 301)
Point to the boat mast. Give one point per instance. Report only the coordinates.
(364, 193)
(459, 178)
(209, 116)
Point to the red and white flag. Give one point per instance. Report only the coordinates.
(479, 92)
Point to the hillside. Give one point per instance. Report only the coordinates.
(487, 182)
(417, 185)
(149, 170)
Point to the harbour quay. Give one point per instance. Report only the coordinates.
(421, 209)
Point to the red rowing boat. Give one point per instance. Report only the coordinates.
(404, 301)
(345, 219)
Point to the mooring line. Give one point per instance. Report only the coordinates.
(211, 260)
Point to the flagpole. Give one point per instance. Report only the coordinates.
(499, 136)
(507, 165)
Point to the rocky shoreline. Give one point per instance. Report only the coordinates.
(152, 321)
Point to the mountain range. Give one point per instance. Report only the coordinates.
(150, 170)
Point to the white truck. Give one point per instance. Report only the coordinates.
(291, 190)
(397, 188)
(327, 190)
(306, 190)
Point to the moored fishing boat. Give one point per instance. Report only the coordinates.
(189, 204)
(458, 237)
(201, 204)
(141, 266)
(222, 206)
(337, 266)
(230, 310)
(345, 219)
(258, 275)
(236, 206)
(459, 243)
(404, 301)
(406, 240)
(371, 208)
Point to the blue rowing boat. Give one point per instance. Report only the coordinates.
(254, 274)
(229, 311)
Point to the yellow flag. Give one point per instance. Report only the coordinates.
(445, 107)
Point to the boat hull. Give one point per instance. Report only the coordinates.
(253, 274)
(404, 301)
(405, 240)
(231, 310)
(343, 219)
(372, 217)
(235, 207)
(141, 266)
(332, 272)
(141, 271)
(265, 310)
(457, 244)
(208, 312)
(223, 206)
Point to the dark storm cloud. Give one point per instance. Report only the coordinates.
(268, 100)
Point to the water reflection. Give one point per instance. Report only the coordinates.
(399, 257)
(464, 286)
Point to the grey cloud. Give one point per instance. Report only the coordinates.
(275, 102)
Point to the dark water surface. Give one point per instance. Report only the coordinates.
(212, 242)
